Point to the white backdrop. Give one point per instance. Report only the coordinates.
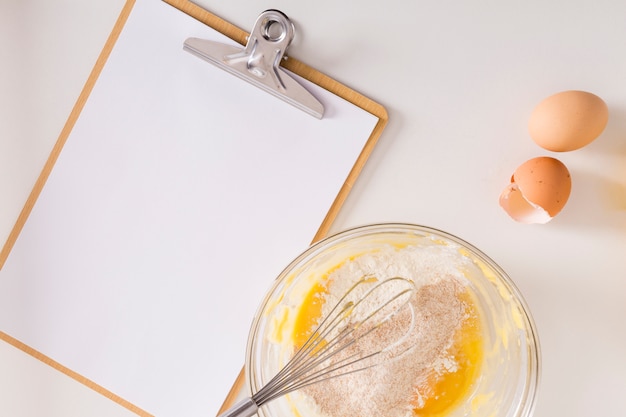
(460, 80)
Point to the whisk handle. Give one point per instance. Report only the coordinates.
(244, 408)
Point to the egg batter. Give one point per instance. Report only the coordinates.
(433, 377)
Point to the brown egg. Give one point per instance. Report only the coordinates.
(568, 120)
(538, 190)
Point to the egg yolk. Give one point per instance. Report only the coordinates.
(439, 393)
(308, 315)
(442, 392)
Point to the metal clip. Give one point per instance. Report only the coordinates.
(259, 62)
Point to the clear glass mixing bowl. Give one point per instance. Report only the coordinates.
(509, 374)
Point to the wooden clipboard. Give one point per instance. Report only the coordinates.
(240, 36)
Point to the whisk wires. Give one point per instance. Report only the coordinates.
(349, 321)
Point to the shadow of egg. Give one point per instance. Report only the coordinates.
(596, 202)
(613, 138)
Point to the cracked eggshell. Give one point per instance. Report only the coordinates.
(538, 191)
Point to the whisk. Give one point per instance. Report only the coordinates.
(366, 306)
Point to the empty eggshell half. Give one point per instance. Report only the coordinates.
(538, 190)
(568, 120)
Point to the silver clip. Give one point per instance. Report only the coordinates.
(259, 62)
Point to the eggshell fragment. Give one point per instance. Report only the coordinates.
(538, 191)
(568, 120)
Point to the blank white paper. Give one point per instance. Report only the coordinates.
(180, 195)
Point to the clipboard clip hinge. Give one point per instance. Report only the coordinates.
(259, 61)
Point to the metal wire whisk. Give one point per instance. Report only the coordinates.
(357, 315)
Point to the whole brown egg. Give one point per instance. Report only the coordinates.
(568, 120)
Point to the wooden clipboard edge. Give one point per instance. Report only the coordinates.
(65, 132)
(74, 375)
(239, 36)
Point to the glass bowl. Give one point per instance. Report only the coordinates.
(507, 378)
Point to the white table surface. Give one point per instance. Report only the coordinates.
(459, 80)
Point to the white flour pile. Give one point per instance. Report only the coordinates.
(391, 389)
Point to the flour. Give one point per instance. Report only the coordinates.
(393, 389)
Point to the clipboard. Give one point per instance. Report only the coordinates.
(55, 163)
